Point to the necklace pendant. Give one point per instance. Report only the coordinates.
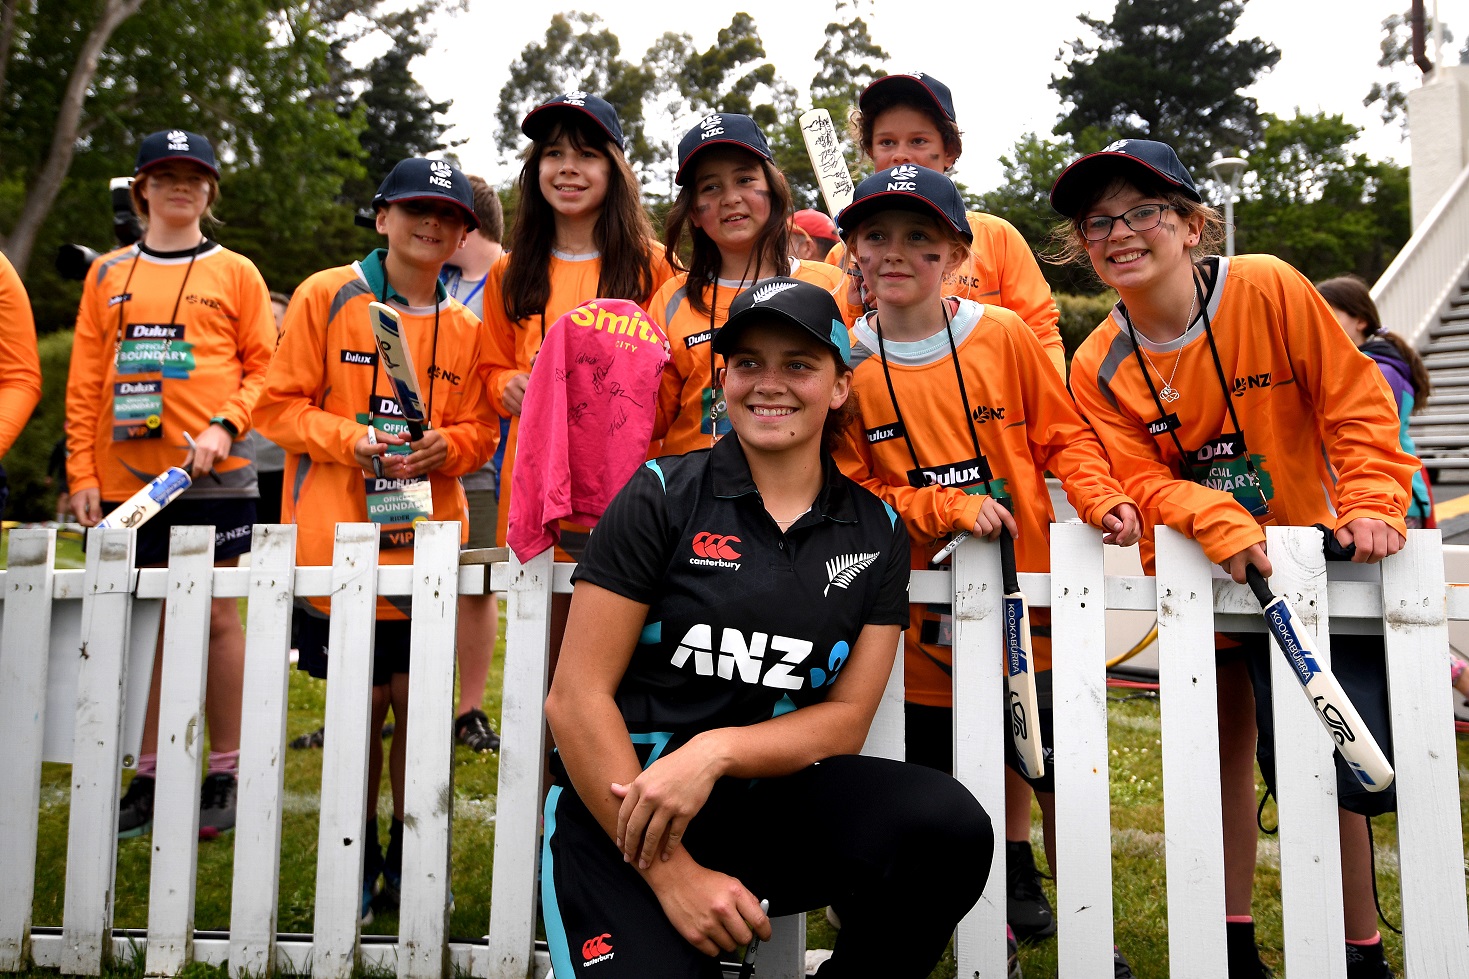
(1169, 394)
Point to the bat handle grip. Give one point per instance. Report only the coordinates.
(1009, 577)
(1258, 585)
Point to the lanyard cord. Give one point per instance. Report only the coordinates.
(713, 307)
(172, 317)
(984, 465)
(1224, 386)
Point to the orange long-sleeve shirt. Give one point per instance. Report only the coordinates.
(513, 345)
(213, 356)
(1025, 423)
(20, 366)
(1001, 270)
(318, 397)
(1317, 419)
(682, 416)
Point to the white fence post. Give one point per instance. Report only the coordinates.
(339, 847)
(24, 645)
(180, 740)
(1079, 697)
(254, 904)
(1305, 774)
(91, 843)
(978, 729)
(428, 803)
(1193, 847)
(1430, 831)
(523, 748)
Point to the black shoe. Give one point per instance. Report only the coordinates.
(1120, 968)
(314, 739)
(473, 730)
(1244, 954)
(1026, 909)
(1367, 962)
(135, 811)
(217, 805)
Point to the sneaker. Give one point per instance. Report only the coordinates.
(1026, 909)
(1244, 954)
(473, 730)
(1367, 962)
(135, 811)
(366, 917)
(1012, 955)
(1120, 968)
(392, 893)
(815, 957)
(314, 739)
(217, 804)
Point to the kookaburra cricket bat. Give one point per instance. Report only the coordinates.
(387, 329)
(143, 505)
(1023, 708)
(1354, 742)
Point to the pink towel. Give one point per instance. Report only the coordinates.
(586, 421)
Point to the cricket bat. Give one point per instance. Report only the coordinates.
(1354, 742)
(387, 329)
(141, 507)
(1023, 705)
(825, 151)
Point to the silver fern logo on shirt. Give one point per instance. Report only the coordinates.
(764, 293)
(844, 569)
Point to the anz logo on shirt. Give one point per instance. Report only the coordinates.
(760, 660)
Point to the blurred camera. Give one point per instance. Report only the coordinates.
(72, 260)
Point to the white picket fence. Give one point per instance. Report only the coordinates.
(1407, 599)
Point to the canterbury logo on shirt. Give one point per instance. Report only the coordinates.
(883, 433)
(698, 338)
(1250, 382)
(595, 950)
(743, 659)
(715, 550)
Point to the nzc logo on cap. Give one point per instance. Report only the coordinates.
(712, 125)
(440, 174)
(575, 98)
(1120, 144)
(901, 178)
(178, 140)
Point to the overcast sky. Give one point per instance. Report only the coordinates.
(998, 60)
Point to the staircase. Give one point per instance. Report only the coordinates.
(1441, 430)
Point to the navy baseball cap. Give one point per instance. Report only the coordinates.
(801, 304)
(540, 120)
(908, 187)
(418, 179)
(913, 84)
(175, 144)
(1125, 158)
(721, 128)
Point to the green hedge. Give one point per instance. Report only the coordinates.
(1080, 315)
(32, 492)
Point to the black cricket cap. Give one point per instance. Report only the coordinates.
(914, 84)
(540, 120)
(418, 179)
(721, 128)
(175, 144)
(907, 187)
(799, 303)
(1126, 158)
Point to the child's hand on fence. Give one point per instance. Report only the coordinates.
(712, 911)
(658, 805)
(1124, 525)
(993, 517)
(1254, 554)
(1373, 538)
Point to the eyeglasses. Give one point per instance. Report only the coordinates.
(1144, 217)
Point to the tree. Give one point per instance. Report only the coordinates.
(577, 53)
(1318, 206)
(1397, 53)
(1166, 70)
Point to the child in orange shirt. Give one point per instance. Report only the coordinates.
(962, 414)
(1251, 352)
(735, 206)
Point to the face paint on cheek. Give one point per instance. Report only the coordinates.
(702, 209)
(933, 258)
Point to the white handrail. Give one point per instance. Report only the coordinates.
(1412, 290)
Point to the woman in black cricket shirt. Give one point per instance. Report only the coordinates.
(732, 629)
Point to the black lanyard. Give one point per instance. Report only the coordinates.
(984, 466)
(1224, 386)
(173, 317)
(713, 308)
